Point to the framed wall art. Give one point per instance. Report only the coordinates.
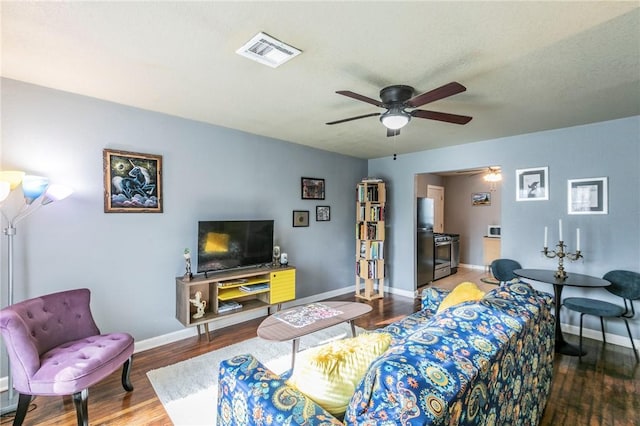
(132, 182)
(481, 199)
(532, 184)
(312, 188)
(323, 213)
(300, 218)
(587, 196)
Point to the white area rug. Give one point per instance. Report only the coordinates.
(189, 389)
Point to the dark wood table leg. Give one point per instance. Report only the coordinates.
(562, 346)
(353, 328)
(295, 350)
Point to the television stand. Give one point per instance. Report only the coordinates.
(228, 293)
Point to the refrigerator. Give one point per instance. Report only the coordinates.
(425, 261)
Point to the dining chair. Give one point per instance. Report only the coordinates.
(502, 269)
(625, 284)
(55, 348)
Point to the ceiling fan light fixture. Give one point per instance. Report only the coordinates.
(493, 175)
(395, 118)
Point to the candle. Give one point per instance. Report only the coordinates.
(545, 237)
(577, 239)
(560, 229)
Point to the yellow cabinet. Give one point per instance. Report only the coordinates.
(283, 286)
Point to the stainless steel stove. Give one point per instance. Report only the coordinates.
(442, 254)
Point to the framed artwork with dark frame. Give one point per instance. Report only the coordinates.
(300, 218)
(323, 213)
(132, 182)
(532, 184)
(587, 196)
(481, 199)
(312, 188)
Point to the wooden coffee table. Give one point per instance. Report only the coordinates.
(293, 323)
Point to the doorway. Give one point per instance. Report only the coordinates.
(462, 213)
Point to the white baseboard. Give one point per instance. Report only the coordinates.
(616, 339)
(464, 265)
(406, 293)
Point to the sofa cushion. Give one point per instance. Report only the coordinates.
(329, 374)
(463, 292)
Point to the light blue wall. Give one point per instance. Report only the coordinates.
(130, 261)
(608, 242)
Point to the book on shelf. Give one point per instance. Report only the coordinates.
(228, 306)
(232, 282)
(254, 287)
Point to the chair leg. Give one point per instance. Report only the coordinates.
(604, 339)
(631, 338)
(126, 370)
(23, 405)
(580, 346)
(80, 401)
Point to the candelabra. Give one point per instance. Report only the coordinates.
(561, 254)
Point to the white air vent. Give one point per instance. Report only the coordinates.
(267, 50)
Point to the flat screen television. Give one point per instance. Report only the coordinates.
(228, 244)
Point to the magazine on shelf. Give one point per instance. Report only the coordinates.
(228, 306)
(254, 287)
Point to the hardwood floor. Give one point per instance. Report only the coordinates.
(603, 389)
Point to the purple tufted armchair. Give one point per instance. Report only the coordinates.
(55, 348)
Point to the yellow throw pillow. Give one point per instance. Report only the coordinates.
(463, 292)
(329, 374)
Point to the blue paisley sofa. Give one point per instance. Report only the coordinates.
(488, 362)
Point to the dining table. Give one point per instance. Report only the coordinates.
(572, 280)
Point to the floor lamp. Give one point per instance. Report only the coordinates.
(33, 188)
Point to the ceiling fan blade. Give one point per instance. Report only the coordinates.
(391, 132)
(360, 98)
(435, 94)
(441, 116)
(353, 118)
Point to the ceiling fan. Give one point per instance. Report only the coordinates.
(396, 99)
(491, 173)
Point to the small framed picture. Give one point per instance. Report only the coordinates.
(323, 213)
(532, 184)
(300, 218)
(312, 188)
(132, 182)
(587, 196)
(481, 199)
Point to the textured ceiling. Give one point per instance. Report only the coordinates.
(527, 66)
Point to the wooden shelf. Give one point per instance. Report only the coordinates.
(225, 286)
(370, 235)
(236, 293)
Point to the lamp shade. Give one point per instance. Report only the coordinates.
(56, 192)
(33, 187)
(13, 177)
(5, 189)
